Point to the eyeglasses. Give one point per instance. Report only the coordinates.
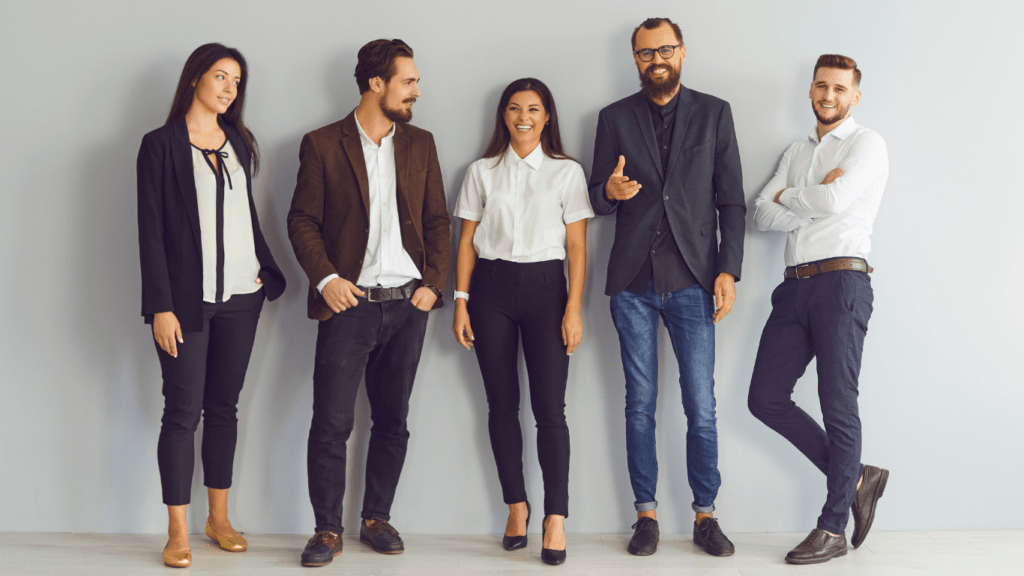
(647, 54)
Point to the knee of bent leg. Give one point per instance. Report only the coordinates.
(762, 404)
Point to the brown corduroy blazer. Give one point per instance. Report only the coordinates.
(328, 223)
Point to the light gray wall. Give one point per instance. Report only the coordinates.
(941, 386)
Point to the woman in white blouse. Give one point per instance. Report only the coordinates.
(206, 270)
(524, 209)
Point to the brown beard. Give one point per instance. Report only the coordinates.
(656, 90)
(841, 114)
(396, 114)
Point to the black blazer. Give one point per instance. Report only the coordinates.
(702, 189)
(169, 244)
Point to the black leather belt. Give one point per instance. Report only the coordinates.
(802, 271)
(381, 294)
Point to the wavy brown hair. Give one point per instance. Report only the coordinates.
(550, 138)
(199, 63)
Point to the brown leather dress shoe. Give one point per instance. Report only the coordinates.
(819, 546)
(178, 559)
(229, 543)
(871, 489)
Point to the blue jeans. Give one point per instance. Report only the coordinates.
(688, 316)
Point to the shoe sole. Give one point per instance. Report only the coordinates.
(645, 551)
(719, 553)
(818, 560)
(380, 550)
(318, 564)
(871, 513)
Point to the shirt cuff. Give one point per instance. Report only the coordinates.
(320, 286)
(467, 215)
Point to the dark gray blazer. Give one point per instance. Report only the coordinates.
(702, 190)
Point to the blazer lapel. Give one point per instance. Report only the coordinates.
(643, 118)
(181, 154)
(353, 147)
(683, 112)
(402, 171)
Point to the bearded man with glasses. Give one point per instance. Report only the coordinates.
(666, 162)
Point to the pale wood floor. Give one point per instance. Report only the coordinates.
(982, 553)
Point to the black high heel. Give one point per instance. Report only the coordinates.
(547, 555)
(517, 542)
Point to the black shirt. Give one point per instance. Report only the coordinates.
(664, 262)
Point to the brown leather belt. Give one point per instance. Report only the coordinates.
(829, 265)
(380, 294)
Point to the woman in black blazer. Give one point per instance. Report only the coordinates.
(205, 272)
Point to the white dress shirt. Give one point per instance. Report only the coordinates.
(826, 220)
(523, 205)
(386, 262)
(241, 267)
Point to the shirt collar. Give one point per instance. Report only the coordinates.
(533, 159)
(366, 139)
(668, 108)
(845, 128)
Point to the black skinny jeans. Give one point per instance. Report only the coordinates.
(205, 380)
(509, 300)
(383, 341)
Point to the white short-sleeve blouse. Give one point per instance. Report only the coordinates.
(523, 205)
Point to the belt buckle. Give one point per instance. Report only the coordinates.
(811, 267)
(369, 293)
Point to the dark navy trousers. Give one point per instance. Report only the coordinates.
(823, 317)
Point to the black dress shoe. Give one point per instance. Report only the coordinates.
(819, 546)
(516, 542)
(321, 548)
(549, 556)
(871, 489)
(381, 536)
(645, 537)
(708, 535)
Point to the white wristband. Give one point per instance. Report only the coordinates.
(463, 295)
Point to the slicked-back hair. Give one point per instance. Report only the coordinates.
(377, 58)
(652, 23)
(551, 136)
(199, 63)
(838, 61)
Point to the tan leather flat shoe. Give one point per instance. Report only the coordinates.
(178, 559)
(231, 544)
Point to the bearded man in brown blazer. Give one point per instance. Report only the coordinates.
(370, 228)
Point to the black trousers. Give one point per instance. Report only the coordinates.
(509, 300)
(384, 341)
(824, 317)
(205, 380)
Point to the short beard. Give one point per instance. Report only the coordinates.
(840, 115)
(656, 90)
(396, 114)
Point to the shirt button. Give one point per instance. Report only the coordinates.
(664, 125)
(666, 198)
(652, 251)
(659, 233)
(665, 147)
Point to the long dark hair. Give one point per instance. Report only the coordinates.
(198, 63)
(550, 138)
